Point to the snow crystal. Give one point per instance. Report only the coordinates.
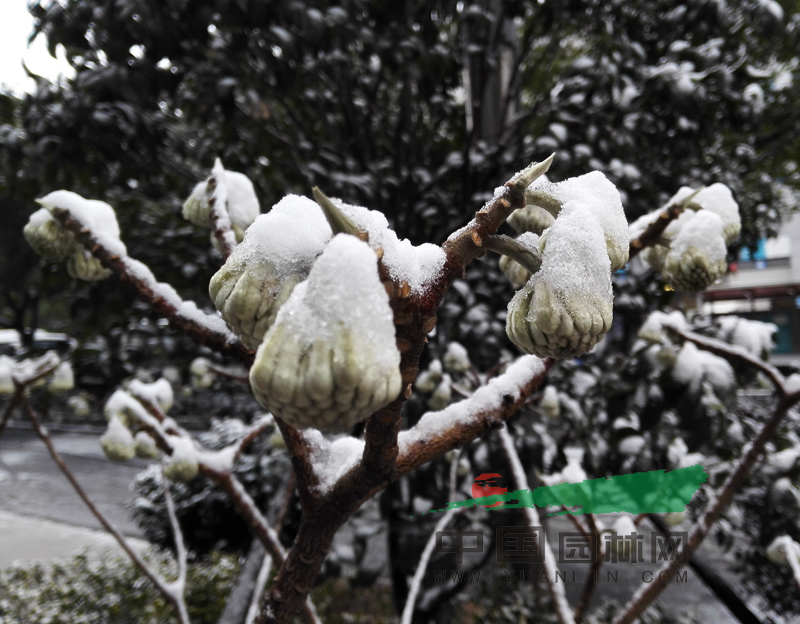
(343, 292)
(158, 393)
(485, 399)
(703, 233)
(417, 265)
(290, 236)
(754, 336)
(93, 215)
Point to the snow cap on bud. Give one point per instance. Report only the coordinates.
(47, 237)
(456, 358)
(782, 548)
(117, 441)
(566, 308)
(276, 254)
(696, 258)
(144, 446)
(122, 406)
(550, 405)
(652, 329)
(242, 203)
(182, 464)
(718, 199)
(428, 380)
(596, 194)
(330, 359)
(158, 392)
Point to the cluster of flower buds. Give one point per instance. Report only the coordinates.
(49, 239)
(437, 381)
(691, 253)
(234, 190)
(275, 256)
(566, 307)
(329, 360)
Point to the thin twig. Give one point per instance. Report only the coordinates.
(594, 570)
(736, 354)
(656, 228)
(15, 399)
(217, 193)
(258, 594)
(559, 597)
(649, 592)
(179, 587)
(151, 574)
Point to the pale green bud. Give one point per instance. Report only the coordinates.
(117, 441)
(531, 219)
(674, 518)
(62, 379)
(693, 271)
(84, 266)
(456, 358)
(782, 548)
(517, 274)
(655, 256)
(543, 324)
(144, 446)
(79, 406)
(550, 405)
(442, 395)
(47, 238)
(182, 464)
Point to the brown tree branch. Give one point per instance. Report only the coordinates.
(217, 193)
(654, 231)
(594, 570)
(647, 593)
(205, 329)
(165, 588)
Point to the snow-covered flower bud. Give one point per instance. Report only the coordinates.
(456, 358)
(241, 200)
(566, 308)
(652, 330)
(696, 258)
(84, 266)
(202, 377)
(531, 219)
(144, 446)
(718, 199)
(62, 379)
(47, 238)
(782, 549)
(276, 441)
(182, 464)
(330, 359)
(595, 193)
(122, 406)
(117, 441)
(158, 392)
(276, 254)
(550, 405)
(427, 381)
(656, 256)
(623, 528)
(442, 395)
(667, 356)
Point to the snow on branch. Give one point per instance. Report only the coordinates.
(205, 329)
(217, 190)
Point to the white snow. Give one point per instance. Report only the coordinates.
(703, 233)
(792, 384)
(234, 191)
(332, 460)
(93, 215)
(485, 399)
(343, 293)
(597, 195)
(652, 329)
(62, 378)
(6, 374)
(717, 198)
(117, 434)
(158, 392)
(754, 336)
(549, 404)
(688, 368)
(717, 371)
(290, 236)
(417, 265)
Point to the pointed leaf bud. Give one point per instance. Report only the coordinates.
(330, 359)
(275, 255)
(117, 441)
